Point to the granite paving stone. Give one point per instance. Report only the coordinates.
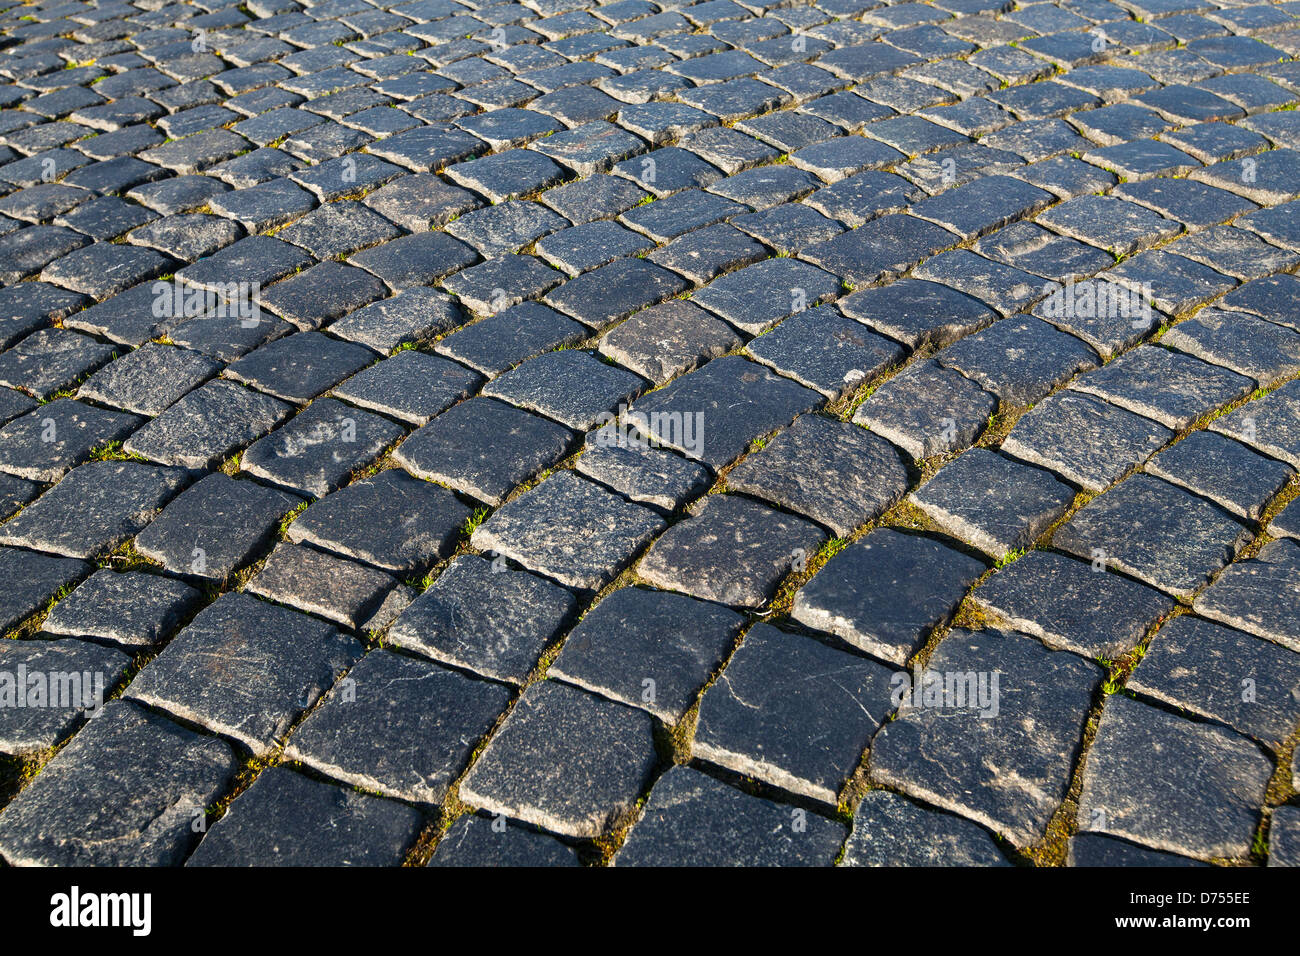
(1209, 809)
(889, 830)
(297, 368)
(1001, 759)
(53, 687)
(595, 758)
(231, 671)
(1270, 424)
(793, 712)
(824, 350)
(691, 819)
(354, 595)
(1097, 850)
(998, 505)
(34, 579)
(570, 386)
(287, 819)
(215, 526)
(125, 791)
(875, 595)
(569, 529)
(412, 314)
(731, 550)
(1225, 471)
(927, 409)
(48, 440)
(398, 726)
(1019, 359)
(131, 608)
(149, 379)
(1240, 342)
(1259, 595)
(481, 842)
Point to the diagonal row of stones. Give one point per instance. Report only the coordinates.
(1043, 254)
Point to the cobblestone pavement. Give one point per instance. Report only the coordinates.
(651, 433)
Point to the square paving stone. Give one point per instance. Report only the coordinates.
(15, 492)
(693, 820)
(1185, 200)
(1173, 388)
(615, 291)
(822, 349)
(485, 617)
(32, 580)
(571, 530)
(339, 229)
(259, 259)
(1252, 685)
(668, 170)
(506, 175)
(287, 819)
(215, 526)
(50, 360)
(564, 760)
(44, 443)
(1084, 440)
(1270, 424)
(346, 592)
(1156, 532)
(427, 148)
(993, 503)
(481, 842)
(506, 227)
(730, 550)
(1005, 288)
(836, 473)
(789, 228)
(413, 386)
(927, 410)
(483, 448)
(245, 669)
(649, 649)
(980, 206)
(1284, 837)
(1109, 316)
(793, 712)
(149, 379)
(860, 198)
(678, 214)
(412, 314)
(1234, 252)
(706, 253)
(1260, 595)
(884, 593)
(665, 340)
(591, 148)
(391, 520)
(639, 471)
(1006, 765)
(124, 792)
(264, 206)
(497, 284)
(1069, 605)
(106, 268)
(224, 337)
(1031, 248)
(917, 312)
(1241, 342)
(398, 726)
(208, 424)
(316, 451)
(50, 688)
(1112, 224)
(889, 830)
(881, 249)
(1019, 359)
(322, 293)
(95, 508)
(1170, 784)
(299, 367)
(131, 608)
(421, 201)
(573, 387)
(582, 248)
(1226, 472)
(713, 413)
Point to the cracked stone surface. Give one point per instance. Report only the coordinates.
(586, 358)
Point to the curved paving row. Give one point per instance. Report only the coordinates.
(730, 432)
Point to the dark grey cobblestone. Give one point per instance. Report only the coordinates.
(443, 248)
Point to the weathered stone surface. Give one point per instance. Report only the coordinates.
(730, 550)
(343, 591)
(773, 713)
(595, 759)
(1004, 761)
(572, 387)
(1284, 837)
(1226, 472)
(124, 792)
(208, 424)
(1156, 532)
(245, 669)
(641, 471)
(837, 474)
(928, 409)
(994, 503)
(1260, 595)
(649, 649)
(44, 443)
(1170, 784)
(413, 386)
(889, 830)
(286, 819)
(130, 608)
(1070, 605)
(569, 529)
(94, 509)
(665, 340)
(1019, 359)
(884, 593)
(1271, 424)
(49, 688)
(149, 379)
(398, 726)
(485, 617)
(478, 841)
(693, 820)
